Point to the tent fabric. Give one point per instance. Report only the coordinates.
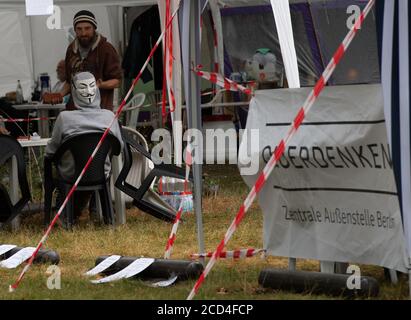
(395, 31)
(14, 61)
(281, 9)
(360, 64)
(76, 3)
(32, 40)
(216, 17)
(246, 29)
(176, 81)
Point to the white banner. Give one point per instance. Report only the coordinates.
(332, 196)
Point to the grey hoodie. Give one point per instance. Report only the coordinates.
(88, 118)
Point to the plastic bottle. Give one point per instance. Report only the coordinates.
(19, 93)
(45, 83)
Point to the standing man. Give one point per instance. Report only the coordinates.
(91, 52)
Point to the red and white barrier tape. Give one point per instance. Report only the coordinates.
(236, 254)
(74, 187)
(173, 234)
(26, 119)
(282, 145)
(215, 45)
(168, 64)
(223, 82)
(180, 193)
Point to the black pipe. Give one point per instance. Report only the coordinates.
(160, 269)
(43, 256)
(316, 283)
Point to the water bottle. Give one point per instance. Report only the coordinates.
(45, 83)
(19, 93)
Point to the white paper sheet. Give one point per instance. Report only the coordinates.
(6, 248)
(39, 7)
(131, 270)
(15, 260)
(164, 283)
(103, 265)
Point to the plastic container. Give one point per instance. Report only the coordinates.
(45, 83)
(175, 193)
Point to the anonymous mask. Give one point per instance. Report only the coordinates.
(86, 90)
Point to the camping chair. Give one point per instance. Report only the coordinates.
(132, 110)
(136, 181)
(93, 180)
(10, 147)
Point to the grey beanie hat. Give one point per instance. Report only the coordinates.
(85, 16)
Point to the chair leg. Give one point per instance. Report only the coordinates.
(106, 204)
(96, 214)
(48, 196)
(68, 211)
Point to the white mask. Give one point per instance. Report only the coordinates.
(86, 90)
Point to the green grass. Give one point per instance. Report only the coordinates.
(146, 236)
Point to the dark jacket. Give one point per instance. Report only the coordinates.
(102, 61)
(144, 33)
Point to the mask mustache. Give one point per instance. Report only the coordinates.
(86, 95)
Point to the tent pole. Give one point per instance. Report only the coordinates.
(196, 116)
(191, 54)
(32, 51)
(409, 280)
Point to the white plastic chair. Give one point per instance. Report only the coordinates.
(141, 167)
(132, 109)
(154, 99)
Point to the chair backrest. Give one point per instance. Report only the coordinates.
(154, 98)
(81, 147)
(144, 198)
(136, 101)
(131, 109)
(10, 147)
(141, 165)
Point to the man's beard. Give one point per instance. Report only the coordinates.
(86, 42)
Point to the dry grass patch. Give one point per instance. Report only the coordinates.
(146, 236)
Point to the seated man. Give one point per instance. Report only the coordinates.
(88, 118)
(61, 76)
(54, 97)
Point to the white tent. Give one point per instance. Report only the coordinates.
(30, 47)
